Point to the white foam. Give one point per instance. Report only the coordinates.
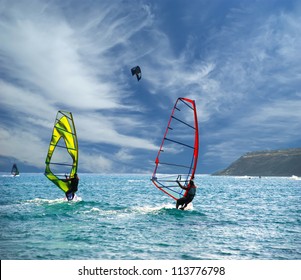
(135, 181)
(189, 206)
(53, 201)
(149, 209)
(75, 199)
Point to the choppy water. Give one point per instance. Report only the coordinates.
(126, 217)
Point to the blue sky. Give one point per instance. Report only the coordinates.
(240, 61)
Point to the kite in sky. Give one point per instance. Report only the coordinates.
(136, 71)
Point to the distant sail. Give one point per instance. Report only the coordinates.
(178, 155)
(62, 157)
(14, 170)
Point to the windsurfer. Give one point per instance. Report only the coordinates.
(188, 196)
(72, 186)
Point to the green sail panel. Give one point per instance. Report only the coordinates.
(62, 156)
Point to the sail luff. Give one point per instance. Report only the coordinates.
(196, 141)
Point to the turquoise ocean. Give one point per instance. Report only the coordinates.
(125, 217)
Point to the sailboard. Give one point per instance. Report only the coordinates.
(178, 154)
(15, 170)
(62, 156)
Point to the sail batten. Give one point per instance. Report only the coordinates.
(182, 100)
(62, 156)
(178, 154)
(57, 163)
(174, 164)
(59, 146)
(66, 131)
(180, 143)
(183, 122)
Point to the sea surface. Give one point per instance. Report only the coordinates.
(125, 217)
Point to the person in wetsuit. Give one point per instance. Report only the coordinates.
(73, 183)
(188, 196)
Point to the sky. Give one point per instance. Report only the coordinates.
(239, 61)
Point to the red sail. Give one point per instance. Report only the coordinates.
(178, 154)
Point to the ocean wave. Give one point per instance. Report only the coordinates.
(53, 201)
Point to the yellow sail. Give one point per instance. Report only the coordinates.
(64, 146)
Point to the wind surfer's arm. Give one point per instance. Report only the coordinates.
(67, 179)
(181, 186)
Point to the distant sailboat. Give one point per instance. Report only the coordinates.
(62, 156)
(14, 171)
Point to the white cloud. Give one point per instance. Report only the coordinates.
(53, 60)
(46, 56)
(242, 68)
(22, 145)
(124, 155)
(22, 101)
(271, 126)
(96, 128)
(94, 163)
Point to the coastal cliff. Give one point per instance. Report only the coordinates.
(266, 163)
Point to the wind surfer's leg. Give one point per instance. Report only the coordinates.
(186, 203)
(180, 201)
